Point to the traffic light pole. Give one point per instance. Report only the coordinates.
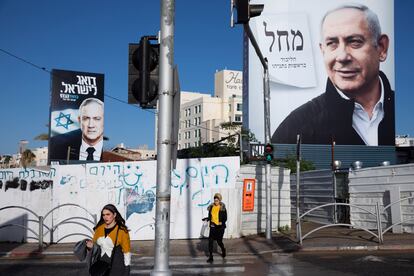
(266, 102)
(164, 145)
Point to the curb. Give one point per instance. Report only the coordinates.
(356, 248)
(37, 254)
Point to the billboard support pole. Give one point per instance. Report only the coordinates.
(164, 140)
(68, 156)
(298, 157)
(266, 102)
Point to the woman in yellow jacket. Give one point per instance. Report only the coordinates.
(217, 215)
(111, 235)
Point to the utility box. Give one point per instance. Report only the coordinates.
(248, 194)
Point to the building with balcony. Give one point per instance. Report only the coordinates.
(201, 115)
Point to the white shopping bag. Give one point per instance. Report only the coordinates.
(205, 229)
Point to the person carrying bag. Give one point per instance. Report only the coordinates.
(112, 239)
(217, 215)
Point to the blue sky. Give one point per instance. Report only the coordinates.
(93, 36)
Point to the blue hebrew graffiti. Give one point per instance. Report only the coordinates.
(223, 168)
(200, 178)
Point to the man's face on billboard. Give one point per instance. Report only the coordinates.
(92, 122)
(350, 55)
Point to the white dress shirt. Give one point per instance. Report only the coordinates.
(83, 154)
(367, 128)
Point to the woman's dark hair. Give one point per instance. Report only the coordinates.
(118, 218)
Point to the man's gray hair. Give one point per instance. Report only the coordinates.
(88, 101)
(371, 17)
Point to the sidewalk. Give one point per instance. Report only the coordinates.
(328, 239)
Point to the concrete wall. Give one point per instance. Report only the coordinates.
(384, 185)
(255, 222)
(28, 188)
(129, 185)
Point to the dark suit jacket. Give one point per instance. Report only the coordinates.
(329, 116)
(58, 146)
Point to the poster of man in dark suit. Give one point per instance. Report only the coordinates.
(357, 107)
(77, 116)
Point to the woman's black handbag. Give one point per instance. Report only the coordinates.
(100, 267)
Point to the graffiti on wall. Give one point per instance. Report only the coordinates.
(200, 178)
(133, 184)
(26, 179)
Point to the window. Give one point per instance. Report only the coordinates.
(189, 112)
(237, 118)
(199, 121)
(196, 133)
(229, 107)
(195, 121)
(199, 108)
(239, 107)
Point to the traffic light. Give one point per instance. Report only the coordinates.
(268, 152)
(245, 11)
(143, 72)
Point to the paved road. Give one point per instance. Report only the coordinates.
(298, 264)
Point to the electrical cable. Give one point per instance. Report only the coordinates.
(105, 94)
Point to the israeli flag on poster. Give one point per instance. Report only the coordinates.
(64, 121)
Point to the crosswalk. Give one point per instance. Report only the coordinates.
(196, 265)
(178, 265)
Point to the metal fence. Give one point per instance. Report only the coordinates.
(40, 220)
(377, 214)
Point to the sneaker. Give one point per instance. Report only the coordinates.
(223, 253)
(210, 260)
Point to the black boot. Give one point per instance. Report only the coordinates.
(223, 252)
(210, 259)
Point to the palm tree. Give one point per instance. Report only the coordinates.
(27, 158)
(42, 137)
(6, 160)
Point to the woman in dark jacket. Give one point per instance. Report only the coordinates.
(217, 215)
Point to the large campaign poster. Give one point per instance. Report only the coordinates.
(331, 78)
(76, 116)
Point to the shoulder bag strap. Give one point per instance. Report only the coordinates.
(113, 249)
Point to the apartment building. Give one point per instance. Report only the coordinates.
(201, 115)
